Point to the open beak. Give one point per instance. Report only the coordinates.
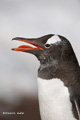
(26, 47)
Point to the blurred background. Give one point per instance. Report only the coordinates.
(18, 70)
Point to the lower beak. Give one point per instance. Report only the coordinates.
(26, 47)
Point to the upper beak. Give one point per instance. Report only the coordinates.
(26, 47)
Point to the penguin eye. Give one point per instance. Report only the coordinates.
(47, 45)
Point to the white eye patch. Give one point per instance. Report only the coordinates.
(53, 39)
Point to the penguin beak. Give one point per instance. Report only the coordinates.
(26, 48)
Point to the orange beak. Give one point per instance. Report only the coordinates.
(26, 47)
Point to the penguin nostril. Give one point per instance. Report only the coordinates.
(47, 45)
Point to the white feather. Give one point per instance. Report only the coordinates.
(77, 108)
(54, 100)
(53, 39)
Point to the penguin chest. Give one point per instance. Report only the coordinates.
(54, 100)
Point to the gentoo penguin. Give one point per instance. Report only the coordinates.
(58, 76)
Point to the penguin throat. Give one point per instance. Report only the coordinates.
(47, 69)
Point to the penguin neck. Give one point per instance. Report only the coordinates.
(66, 71)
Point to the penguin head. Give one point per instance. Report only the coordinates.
(47, 48)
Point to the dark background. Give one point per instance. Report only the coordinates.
(18, 71)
